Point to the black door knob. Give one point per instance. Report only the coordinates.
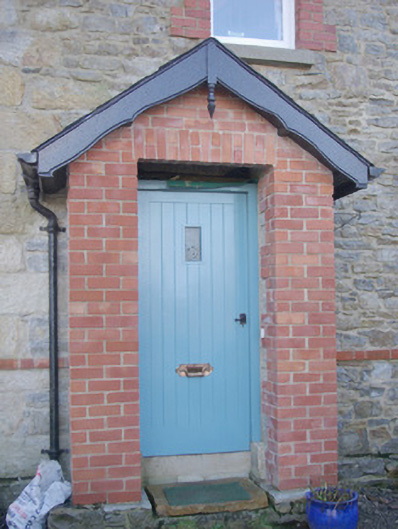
(242, 319)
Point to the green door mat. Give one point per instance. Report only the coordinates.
(206, 493)
(206, 496)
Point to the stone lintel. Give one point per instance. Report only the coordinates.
(274, 56)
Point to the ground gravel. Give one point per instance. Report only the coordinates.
(378, 509)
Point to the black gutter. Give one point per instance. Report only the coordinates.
(31, 178)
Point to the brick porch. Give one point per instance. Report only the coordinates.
(297, 275)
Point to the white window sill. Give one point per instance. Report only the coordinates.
(274, 56)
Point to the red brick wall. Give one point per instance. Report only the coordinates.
(297, 264)
(299, 398)
(193, 20)
(102, 206)
(311, 32)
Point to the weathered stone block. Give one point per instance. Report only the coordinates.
(353, 80)
(382, 371)
(38, 336)
(13, 45)
(378, 438)
(390, 447)
(369, 301)
(53, 19)
(37, 245)
(382, 339)
(24, 293)
(391, 466)
(67, 94)
(24, 130)
(8, 11)
(12, 336)
(100, 63)
(11, 87)
(13, 214)
(37, 262)
(353, 442)
(8, 172)
(364, 284)
(372, 392)
(392, 394)
(351, 468)
(346, 43)
(119, 10)
(142, 518)
(20, 451)
(11, 256)
(98, 23)
(350, 342)
(86, 75)
(145, 24)
(366, 408)
(41, 53)
(375, 20)
(64, 518)
(71, 3)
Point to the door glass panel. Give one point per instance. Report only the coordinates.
(193, 250)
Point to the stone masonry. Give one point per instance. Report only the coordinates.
(59, 59)
(368, 424)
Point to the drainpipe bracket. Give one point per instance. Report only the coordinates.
(55, 454)
(51, 229)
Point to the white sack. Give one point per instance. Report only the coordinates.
(46, 490)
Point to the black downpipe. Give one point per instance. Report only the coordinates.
(31, 179)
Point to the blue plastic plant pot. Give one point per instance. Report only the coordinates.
(329, 515)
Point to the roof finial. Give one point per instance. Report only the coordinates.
(211, 99)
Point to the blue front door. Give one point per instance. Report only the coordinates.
(194, 283)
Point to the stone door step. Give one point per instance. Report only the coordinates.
(179, 499)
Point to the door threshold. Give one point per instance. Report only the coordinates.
(202, 497)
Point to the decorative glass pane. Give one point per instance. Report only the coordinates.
(193, 251)
(249, 19)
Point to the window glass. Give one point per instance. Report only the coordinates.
(193, 250)
(248, 19)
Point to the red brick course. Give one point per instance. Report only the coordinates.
(360, 356)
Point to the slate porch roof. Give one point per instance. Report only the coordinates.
(212, 63)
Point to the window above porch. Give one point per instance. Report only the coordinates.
(254, 22)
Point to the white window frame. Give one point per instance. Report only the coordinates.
(288, 25)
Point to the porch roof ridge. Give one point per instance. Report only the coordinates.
(211, 62)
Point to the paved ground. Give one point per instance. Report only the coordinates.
(378, 508)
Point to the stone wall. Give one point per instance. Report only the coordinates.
(368, 423)
(59, 59)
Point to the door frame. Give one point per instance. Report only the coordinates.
(250, 190)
